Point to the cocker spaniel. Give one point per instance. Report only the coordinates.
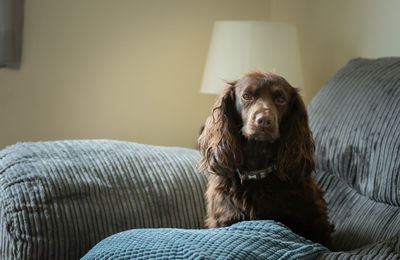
(259, 152)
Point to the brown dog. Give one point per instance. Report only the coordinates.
(259, 150)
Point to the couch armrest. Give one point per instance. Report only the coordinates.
(58, 199)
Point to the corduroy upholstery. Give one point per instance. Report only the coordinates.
(58, 199)
(355, 120)
(246, 240)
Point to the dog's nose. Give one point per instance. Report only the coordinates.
(264, 120)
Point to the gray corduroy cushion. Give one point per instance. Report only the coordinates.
(355, 119)
(58, 199)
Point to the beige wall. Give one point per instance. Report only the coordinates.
(333, 31)
(118, 69)
(131, 69)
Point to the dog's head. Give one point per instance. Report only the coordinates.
(261, 107)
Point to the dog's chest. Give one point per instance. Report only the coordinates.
(269, 198)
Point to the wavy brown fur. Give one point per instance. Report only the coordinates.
(241, 133)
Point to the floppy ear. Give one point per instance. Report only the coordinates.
(220, 141)
(296, 145)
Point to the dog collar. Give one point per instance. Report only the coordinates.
(255, 175)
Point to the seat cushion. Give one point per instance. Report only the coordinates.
(244, 240)
(356, 127)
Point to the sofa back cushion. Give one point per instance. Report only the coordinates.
(355, 119)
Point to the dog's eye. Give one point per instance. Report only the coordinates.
(247, 96)
(280, 100)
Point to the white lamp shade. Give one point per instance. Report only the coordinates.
(238, 47)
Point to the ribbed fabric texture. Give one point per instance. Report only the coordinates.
(384, 250)
(355, 119)
(58, 199)
(250, 240)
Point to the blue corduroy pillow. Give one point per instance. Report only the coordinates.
(263, 239)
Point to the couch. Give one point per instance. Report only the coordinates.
(58, 199)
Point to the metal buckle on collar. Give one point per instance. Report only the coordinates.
(255, 175)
